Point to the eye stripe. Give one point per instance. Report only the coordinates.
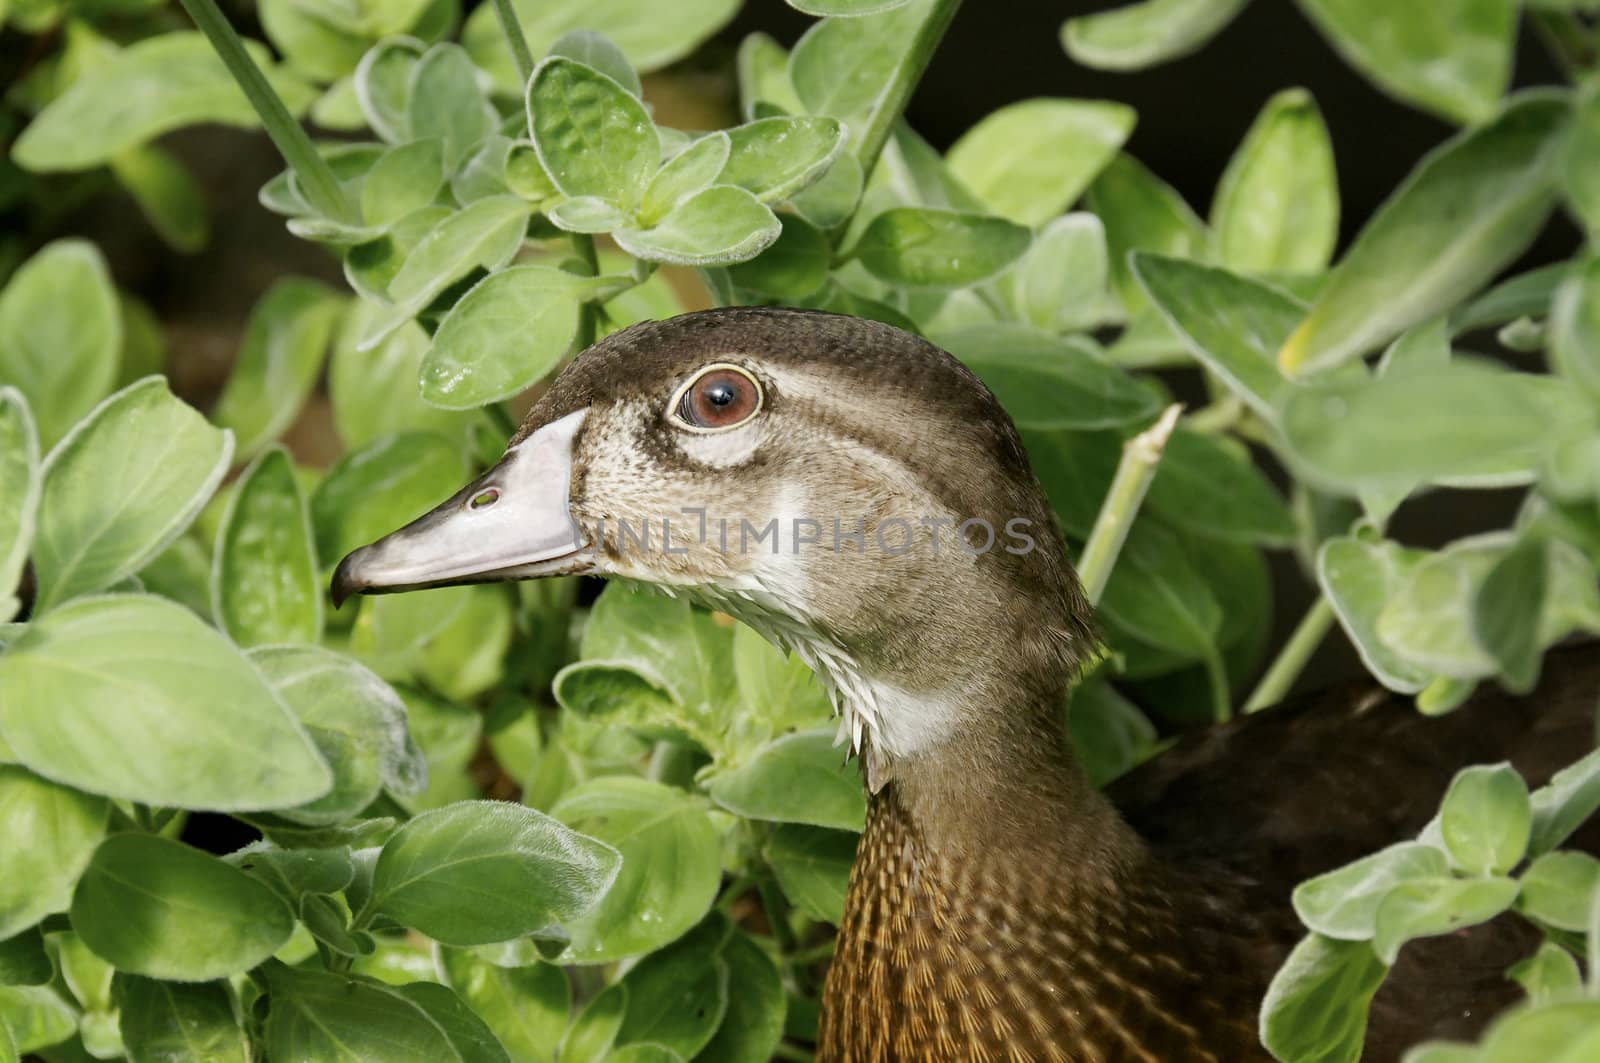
(717, 398)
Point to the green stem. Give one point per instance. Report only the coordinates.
(777, 910)
(1140, 456)
(1218, 417)
(891, 102)
(316, 178)
(583, 244)
(1217, 680)
(1291, 661)
(512, 29)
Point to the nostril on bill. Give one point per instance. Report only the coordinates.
(484, 499)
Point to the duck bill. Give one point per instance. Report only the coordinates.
(514, 522)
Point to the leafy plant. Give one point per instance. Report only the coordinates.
(665, 887)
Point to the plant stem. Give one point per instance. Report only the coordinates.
(1291, 660)
(321, 187)
(892, 100)
(1218, 417)
(583, 244)
(777, 910)
(1217, 679)
(512, 29)
(1140, 456)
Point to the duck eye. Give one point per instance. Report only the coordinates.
(722, 396)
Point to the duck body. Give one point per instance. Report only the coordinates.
(1000, 907)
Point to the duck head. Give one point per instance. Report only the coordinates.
(848, 489)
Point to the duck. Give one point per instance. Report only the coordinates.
(859, 497)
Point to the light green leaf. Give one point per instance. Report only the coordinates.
(797, 778)
(753, 1024)
(384, 485)
(125, 483)
(521, 869)
(1561, 890)
(833, 199)
(147, 89)
(1561, 805)
(1485, 819)
(1468, 209)
(372, 265)
(1029, 161)
(49, 832)
(1316, 1006)
(294, 874)
(382, 86)
(1427, 907)
(284, 343)
(1157, 594)
(375, 392)
(264, 585)
(316, 1015)
(1344, 903)
(763, 70)
(1575, 329)
(443, 101)
(596, 50)
(1048, 382)
(1549, 973)
(595, 1029)
(471, 1037)
(1143, 34)
(794, 267)
(671, 865)
(1277, 206)
(593, 136)
(20, 487)
(486, 171)
(587, 214)
(1451, 57)
(1506, 612)
(135, 697)
(171, 1022)
(1360, 579)
(845, 8)
(60, 333)
(1429, 620)
(1059, 284)
(774, 158)
(36, 1017)
(1204, 486)
(924, 248)
(692, 170)
(405, 179)
(526, 1007)
(1142, 213)
(841, 65)
(356, 721)
(678, 995)
(720, 225)
(776, 686)
(171, 199)
(155, 907)
(509, 330)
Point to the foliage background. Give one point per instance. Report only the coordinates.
(762, 829)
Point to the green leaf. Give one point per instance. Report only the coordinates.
(650, 37)
(776, 686)
(1344, 903)
(1563, 1032)
(526, 1007)
(471, 1037)
(135, 697)
(1506, 611)
(1143, 34)
(443, 101)
(35, 1017)
(487, 234)
(60, 332)
(1549, 973)
(593, 136)
(382, 85)
(155, 907)
(264, 586)
(1029, 161)
(718, 226)
(774, 158)
(1429, 620)
(145, 90)
(20, 486)
(595, 1029)
(1316, 1006)
(753, 1024)
(521, 869)
(840, 66)
(1430, 906)
(126, 481)
(375, 392)
(1109, 733)
(671, 865)
(1575, 329)
(1204, 486)
(845, 8)
(177, 1023)
(1360, 579)
(372, 265)
(1486, 819)
(170, 197)
(794, 267)
(311, 41)
(924, 248)
(1142, 213)
(356, 721)
(587, 214)
(1277, 206)
(23, 960)
(1468, 209)
(678, 995)
(1231, 325)
(832, 200)
(1451, 57)
(762, 65)
(1561, 805)
(596, 50)
(1462, 421)
(1560, 890)
(294, 873)
(1048, 382)
(374, 490)
(797, 778)
(49, 832)
(1157, 594)
(507, 332)
(1059, 284)
(405, 179)
(316, 1015)
(812, 866)
(692, 170)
